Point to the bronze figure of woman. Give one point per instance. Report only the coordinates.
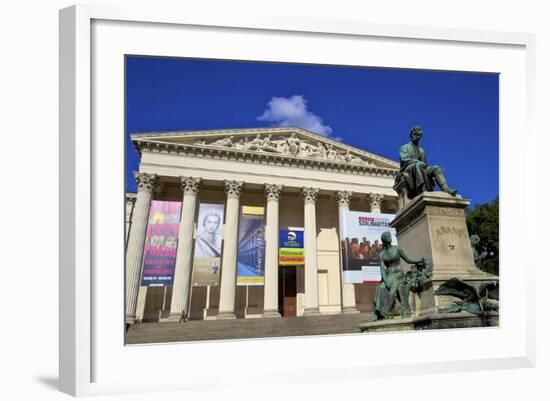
(394, 284)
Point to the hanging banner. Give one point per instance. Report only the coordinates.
(208, 245)
(361, 245)
(251, 252)
(159, 260)
(291, 248)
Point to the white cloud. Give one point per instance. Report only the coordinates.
(285, 112)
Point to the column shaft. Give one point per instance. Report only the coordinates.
(310, 252)
(271, 301)
(184, 257)
(230, 244)
(130, 204)
(136, 241)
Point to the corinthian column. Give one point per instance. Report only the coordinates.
(375, 201)
(184, 255)
(229, 261)
(271, 302)
(310, 252)
(348, 289)
(146, 184)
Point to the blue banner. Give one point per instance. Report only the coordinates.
(291, 248)
(251, 252)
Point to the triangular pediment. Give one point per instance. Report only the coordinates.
(278, 141)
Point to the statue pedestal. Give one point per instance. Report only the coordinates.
(433, 225)
(432, 322)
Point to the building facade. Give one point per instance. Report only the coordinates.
(300, 181)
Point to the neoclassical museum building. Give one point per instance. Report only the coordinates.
(245, 223)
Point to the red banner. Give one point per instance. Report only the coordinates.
(161, 243)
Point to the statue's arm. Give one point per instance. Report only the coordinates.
(478, 257)
(408, 260)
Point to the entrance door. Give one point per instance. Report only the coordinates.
(287, 290)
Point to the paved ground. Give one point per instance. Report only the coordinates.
(245, 328)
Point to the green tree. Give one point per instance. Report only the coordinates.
(483, 221)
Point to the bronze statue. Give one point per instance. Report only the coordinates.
(394, 284)
(472, 300)
(419, 176)
(478, 257)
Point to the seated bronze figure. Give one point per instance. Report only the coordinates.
(418, 175)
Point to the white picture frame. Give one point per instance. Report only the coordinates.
(84, 355)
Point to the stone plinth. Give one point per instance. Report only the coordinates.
(432, 322)
(433, 225)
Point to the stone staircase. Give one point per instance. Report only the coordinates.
(200, 330)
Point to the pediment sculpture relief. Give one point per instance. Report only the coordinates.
(290, 145)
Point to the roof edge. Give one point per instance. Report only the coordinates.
(135, 137)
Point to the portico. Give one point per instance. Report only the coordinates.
(302, 180)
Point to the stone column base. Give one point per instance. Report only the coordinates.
(130, 319)
(173, 317)
(271, 313)
(311, 312)
(348, 298)
(226, 316)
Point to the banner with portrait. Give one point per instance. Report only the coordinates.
(159, 260)
(360, 234)
(208, 245)
(291, 248)
(251, 251)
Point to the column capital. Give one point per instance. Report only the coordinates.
(273, 191)
(146, 182)
(375, 200)
(343, 198)
(131, 198)
(190, 185)
(233, 189)
(310, 194)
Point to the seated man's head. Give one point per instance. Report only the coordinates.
(415, 134)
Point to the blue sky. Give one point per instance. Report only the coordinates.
(369, 108)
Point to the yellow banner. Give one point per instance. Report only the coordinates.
(255, 210)
(291, 256)
(250, 280)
